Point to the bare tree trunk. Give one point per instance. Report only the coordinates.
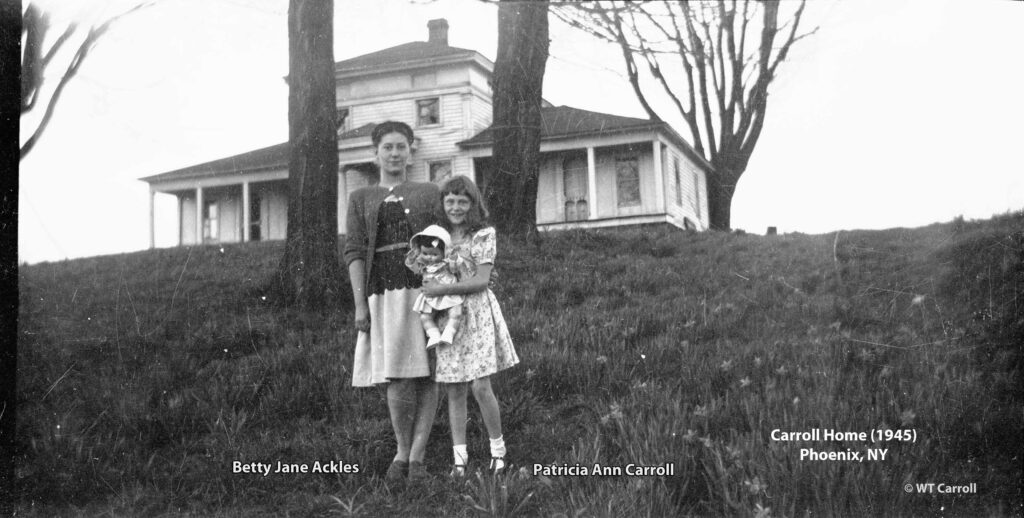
(309, 271)
(517, 82)
(10, 50)
(721, 187)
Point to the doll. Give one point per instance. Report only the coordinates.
(427, 257)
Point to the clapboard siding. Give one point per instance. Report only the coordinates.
(483, 113)
(690, 194)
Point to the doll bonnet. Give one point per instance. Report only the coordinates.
(432, 235)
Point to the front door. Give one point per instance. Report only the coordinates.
(575, 187)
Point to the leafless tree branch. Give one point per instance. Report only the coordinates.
(729, 50)
(34, 63)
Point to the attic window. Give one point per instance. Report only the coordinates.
(428, 112)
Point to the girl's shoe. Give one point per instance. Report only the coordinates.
(497, 465)
(417, 472)
(458, 471)
(396, 471)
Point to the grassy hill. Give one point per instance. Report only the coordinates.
(143, 378)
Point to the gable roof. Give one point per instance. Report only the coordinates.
(404, 54)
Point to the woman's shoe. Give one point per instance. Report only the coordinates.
(458, 471)
(417, 472)
(396, 471)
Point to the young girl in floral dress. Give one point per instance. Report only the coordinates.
(482, 345)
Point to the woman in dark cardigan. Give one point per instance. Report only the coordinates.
(391, 347)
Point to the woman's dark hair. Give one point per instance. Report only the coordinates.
(476, 218)
(390, 127)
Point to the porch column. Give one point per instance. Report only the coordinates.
(199, 215)
(152, 219)
(591, 182)
(659, 176)
(181, 219)
(245, 211)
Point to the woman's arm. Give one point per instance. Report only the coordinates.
(357, 276)
(473, 284)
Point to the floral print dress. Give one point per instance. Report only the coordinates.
(482, 345)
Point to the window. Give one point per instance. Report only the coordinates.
(574, 187)
(627, 181)
(255, 211)
(679, 182)
(428, 111)
(211, 221)
(342, 124)
(439, 171)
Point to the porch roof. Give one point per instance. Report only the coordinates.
(263, 158)
(563, 122)
(270, 157)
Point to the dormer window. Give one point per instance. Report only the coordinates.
(428, 112)
(341, 122)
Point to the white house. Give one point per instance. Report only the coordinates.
(597, 169)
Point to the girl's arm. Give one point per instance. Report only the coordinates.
(473, 284)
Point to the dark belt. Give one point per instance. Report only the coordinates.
(394, 246)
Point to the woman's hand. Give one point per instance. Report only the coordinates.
(362, 318)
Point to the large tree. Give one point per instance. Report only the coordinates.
(10, 48)
(517, 81)
(46, 57)
(714, 59)
(309, 273)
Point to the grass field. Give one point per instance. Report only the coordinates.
(143, 378)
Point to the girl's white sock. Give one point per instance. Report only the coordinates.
(498, 447)
(461, 454)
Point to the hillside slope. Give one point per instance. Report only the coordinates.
(144, 377)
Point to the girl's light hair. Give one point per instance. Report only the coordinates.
(476, 218)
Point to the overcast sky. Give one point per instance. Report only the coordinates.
(895, 114)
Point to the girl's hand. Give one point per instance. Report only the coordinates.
(362, 318)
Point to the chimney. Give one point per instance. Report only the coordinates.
(438, 31)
